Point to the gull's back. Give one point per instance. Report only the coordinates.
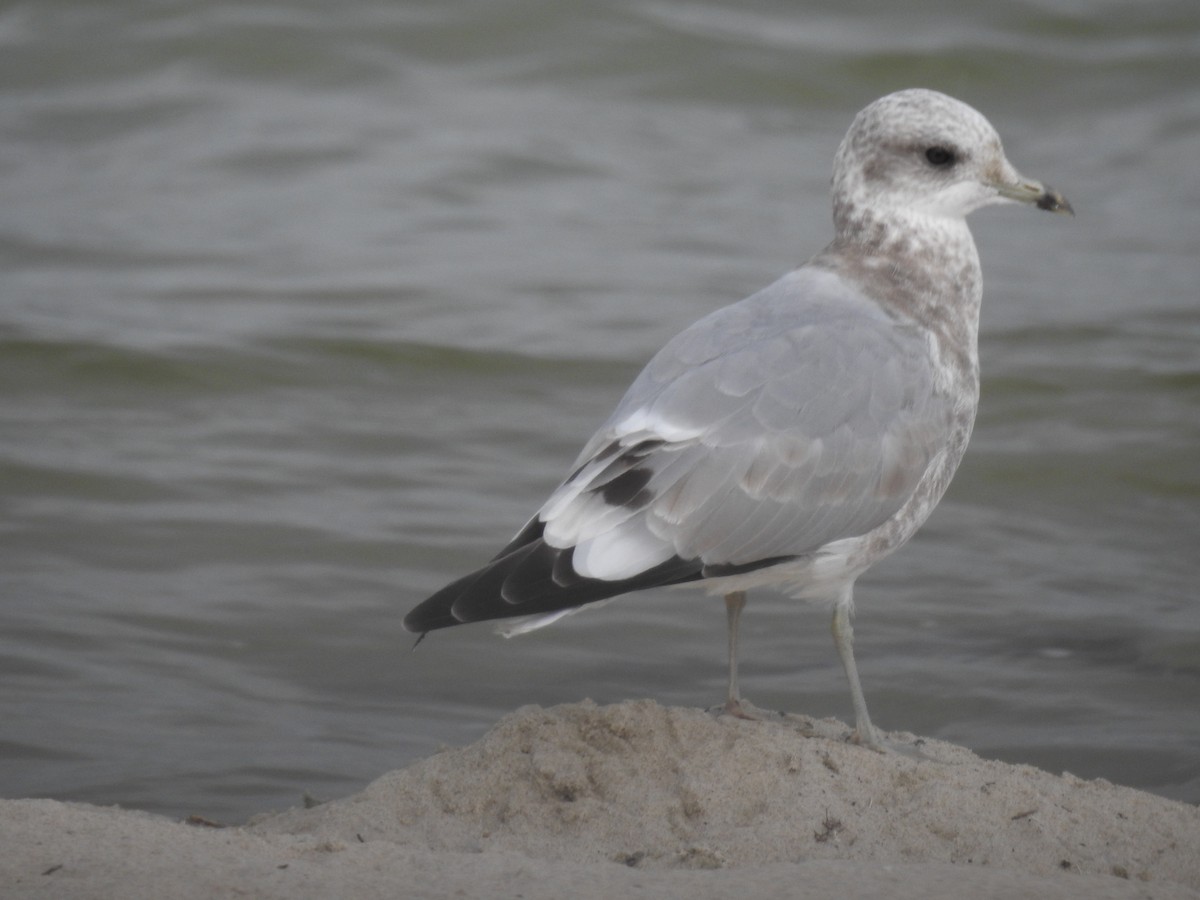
(800, 416)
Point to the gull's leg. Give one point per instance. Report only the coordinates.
(843, 639)
(733, 610)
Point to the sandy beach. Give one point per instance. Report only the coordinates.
(639, 799)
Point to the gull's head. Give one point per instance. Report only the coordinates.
(919, 152)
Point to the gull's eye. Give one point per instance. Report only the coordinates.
(940, 157)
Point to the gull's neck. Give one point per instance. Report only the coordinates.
(919, 267)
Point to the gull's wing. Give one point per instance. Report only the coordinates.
(803, 415)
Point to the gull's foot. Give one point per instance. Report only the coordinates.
(868, 737)
(737, 709)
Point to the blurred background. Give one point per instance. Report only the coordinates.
(305, 307)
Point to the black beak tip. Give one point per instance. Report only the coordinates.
(1053, 201)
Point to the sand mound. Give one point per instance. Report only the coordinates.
(591, 802)
(649, 786)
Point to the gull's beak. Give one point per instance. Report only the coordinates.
(1040, 195)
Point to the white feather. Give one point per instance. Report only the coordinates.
(621, 553)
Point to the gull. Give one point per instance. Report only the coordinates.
(793, 439)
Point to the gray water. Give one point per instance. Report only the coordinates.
(306, 306)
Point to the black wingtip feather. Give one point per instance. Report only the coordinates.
(534, 579)
(435, 612)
